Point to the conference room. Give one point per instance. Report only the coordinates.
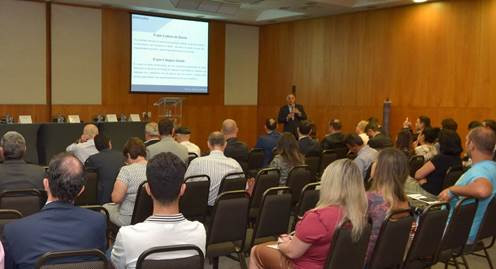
(247, 133)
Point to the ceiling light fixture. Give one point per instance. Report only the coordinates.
(419, 1)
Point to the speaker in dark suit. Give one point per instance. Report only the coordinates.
(291, 114)
(59, 225)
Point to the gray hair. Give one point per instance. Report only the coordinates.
(151, 128)
(14, 145)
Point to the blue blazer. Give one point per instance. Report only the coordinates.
(268, 142)
(58, 226)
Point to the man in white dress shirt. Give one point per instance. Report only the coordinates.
(216, 165)
(183, 134)
(84, 147)
(167, 226)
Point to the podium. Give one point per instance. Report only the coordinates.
(170, 108)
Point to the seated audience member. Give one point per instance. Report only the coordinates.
(431, 175)
(342, 197)
(422, 123)
(377, 139)
(183, 135)
(490, 124)
(287, 156)
(387, 194)
(235, 148)
(59, 225)
(151, 133)
(360, 131)
(449, 124)
(404, 141)
(365, 155)
(466, 161)
(474, 124)
(426, 140)
(15, 173)
(167, 142)
(85, 145)
(215, 165)
(268, 141)
(308, 145)
(106, 163)
(480, 180)
(335, 138)
(127, 183)
(167, 226)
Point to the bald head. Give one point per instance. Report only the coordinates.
(483, 138)
(90, 130)
(229, 128)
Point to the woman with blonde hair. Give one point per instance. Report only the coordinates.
(342, 198)
(387, 194)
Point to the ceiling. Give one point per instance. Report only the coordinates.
(245, 11)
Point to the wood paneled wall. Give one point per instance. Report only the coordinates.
(434, 59)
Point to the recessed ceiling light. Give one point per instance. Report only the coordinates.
(419, 1)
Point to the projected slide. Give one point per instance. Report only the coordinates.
(168, 55)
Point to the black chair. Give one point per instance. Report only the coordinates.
(328, 156)
(487, 230)
(90, 193)
(194, 202)
(102, 210)
(26, 201)
(195, 261)
(313, 163)
(457, 232)
(95, 259)
(308, 199)
(233, 182)
(227, 229)
(298, 177)
(391, 243)
(143, 205)
(256, 158)
(7, 216)
(428, 235)
(345, 252)
(191, 156)
(342, 152)
(452, 176)
(273, 217)
(265, 179)
(415, 163)
(368, 180)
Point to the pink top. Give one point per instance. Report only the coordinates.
(317, 228)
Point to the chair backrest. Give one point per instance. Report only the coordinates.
(308, 198)
(191, 156)
(298, 177)
(256, 158)
(104, 211)
(229, 218)
(487, 228)
(98, 260)
(26, 201)
(428, 236)
(391, 243)
(90, 193)
(452, 176)
(143, 205)
(328, 156)
(6, 216)
(265, 179)
(233, 182)
(194, 202)
(191, 262)
(458, 227)
(274, 214)
(342, 152)
(415, 163)
(346, 253)
(313, 163)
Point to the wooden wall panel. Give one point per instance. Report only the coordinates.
(433, 59)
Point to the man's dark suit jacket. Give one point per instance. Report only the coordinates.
(107, 164)
(17, 174)
(237, 150)
(309, 146)
(58, 226)
(151, 142)
(380, 141)
(268, 142)
(333, 141)
(291, 125)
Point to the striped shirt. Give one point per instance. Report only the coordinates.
(216, 166)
